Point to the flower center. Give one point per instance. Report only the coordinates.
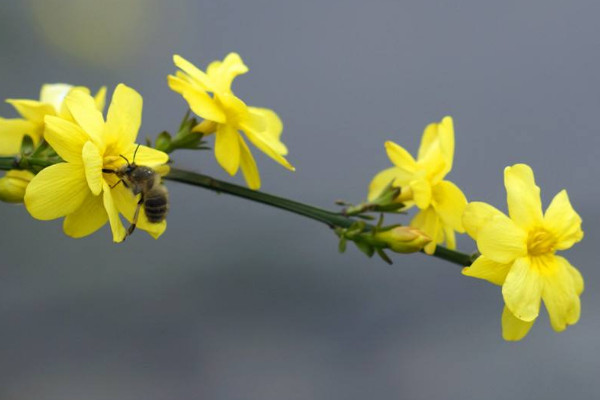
(540, 241)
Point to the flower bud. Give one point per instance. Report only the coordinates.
(404, 239)
(13, 185)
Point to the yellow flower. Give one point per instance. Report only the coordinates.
(422, 183)
(33, 112)
(226, 115)
(519, 253)
(77, 188)
(13, 185)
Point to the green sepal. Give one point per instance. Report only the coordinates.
(26, 145)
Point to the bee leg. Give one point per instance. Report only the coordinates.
(119, 181)
(135, 217)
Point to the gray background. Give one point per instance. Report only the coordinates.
(240, 301)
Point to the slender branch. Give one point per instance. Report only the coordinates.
(327, 217)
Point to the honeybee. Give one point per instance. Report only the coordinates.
(146, 182)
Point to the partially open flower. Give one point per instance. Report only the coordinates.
(404, 239)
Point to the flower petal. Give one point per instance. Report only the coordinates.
(522, 289)
(429, 223)
(491, 271)
(83, 109)
(227, 148)
(100, 99)
(55, 94)
(421, 190)
(523, 196)
(92, 162)
(560, 294)
(12, 132)
(400, 157)
(248, 166)
(395, 175)
(32, 110)
(199, 76)
(223, 73)
(87, 219)
(66, 138)
(266, 148)
(562, 220)
(203, 105)
(449, 202)
(116, 225)
(124, 116)
(476, 215)
(56, 191)
(438, 142)
(268, 125)
(145, 155)
(514, 329)
(502, 240)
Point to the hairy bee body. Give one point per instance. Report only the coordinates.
(145, 181)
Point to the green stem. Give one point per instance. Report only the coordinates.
(327, 217)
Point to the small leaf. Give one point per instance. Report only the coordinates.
(365, 248)
(384, 256)
(342, 245)
(163, 141)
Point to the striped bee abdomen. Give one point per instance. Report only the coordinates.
(156, 204)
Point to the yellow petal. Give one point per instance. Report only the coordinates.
(204, 106)
(227, 148)
(429, 223)
(145, 156)
(87, 219)
(575, 275)
(522, 289)
(438, 141)
(449, 202)
(491, 271)
(200, 77)
(124, 117)
(32, 110)
(56, 191)
(14, 184)
(266, 148)
(514, 329)
(231, 67)
(268, 125)
(449, 236)
(83, 109)
(116, 225)
(476, 215)
(127, 203)
(248, 166)
(523, 196)
(100, 99)
(560, 294)
(395, 175)
(55, 94)
(92, 162)
(66, 138)
(421, 193)
(12, 132)
(563, 222)
(400, 157)
(502, 240)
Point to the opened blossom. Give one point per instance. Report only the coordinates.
(209, 96)
(518, 252)
(33, 112)
(78, 189)
(422, 184)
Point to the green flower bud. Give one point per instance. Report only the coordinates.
(13, 185)
(403, 239)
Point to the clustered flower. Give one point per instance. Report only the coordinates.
(83, 185)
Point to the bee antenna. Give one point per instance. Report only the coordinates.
(135, 152)
(125, 158)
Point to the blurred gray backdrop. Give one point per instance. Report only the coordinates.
(240, 301)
